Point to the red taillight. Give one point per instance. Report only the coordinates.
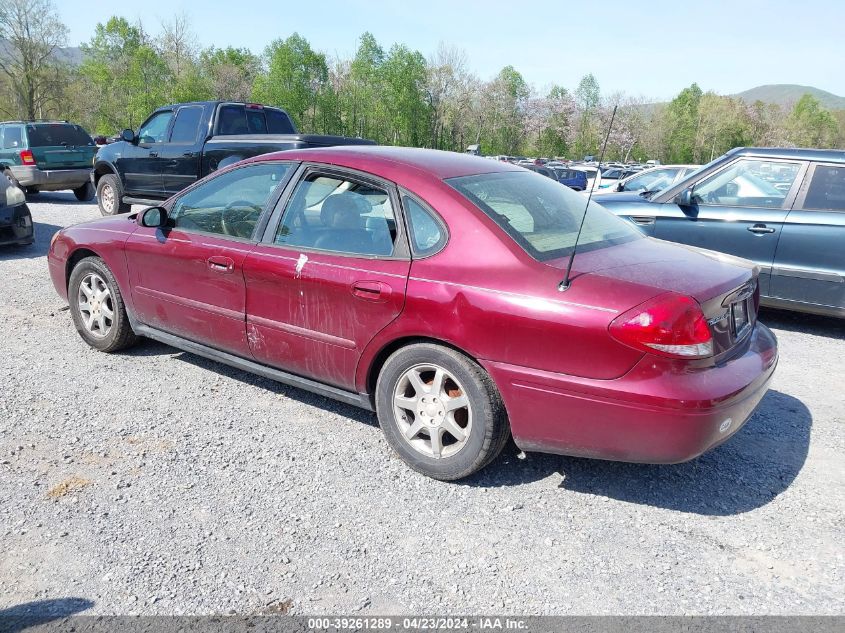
(27, 158)
(669, 325)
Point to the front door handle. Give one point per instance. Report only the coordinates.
(221, 264)
(760, 229)
(187, 154)
(153, 154)
(371, 291)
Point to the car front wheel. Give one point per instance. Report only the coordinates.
(97, 308)
(440, 411)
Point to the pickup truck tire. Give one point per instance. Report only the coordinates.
(85, 192)
(110, 196)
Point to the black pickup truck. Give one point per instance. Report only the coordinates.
(179, 144)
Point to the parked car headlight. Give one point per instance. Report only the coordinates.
(14, 196)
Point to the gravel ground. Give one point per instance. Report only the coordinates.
(157, 482)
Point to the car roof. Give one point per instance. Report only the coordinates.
(832, 155)
(382, 159)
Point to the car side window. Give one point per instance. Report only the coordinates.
(231, 203)
(186, 125)
(339, 214)
(427, 233)
(748, 183)
(12, 138)
(827, 189)
(155, 129)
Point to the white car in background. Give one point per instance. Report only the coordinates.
(652, 179)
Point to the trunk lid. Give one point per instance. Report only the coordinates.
(725, 286)
(60, 146)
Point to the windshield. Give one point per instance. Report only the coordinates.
(541, 215)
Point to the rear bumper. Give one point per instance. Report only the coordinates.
(50, 179)
(16, 225)
(659, 412)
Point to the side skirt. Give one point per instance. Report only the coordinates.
(349, 397)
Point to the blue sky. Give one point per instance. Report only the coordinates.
(652, 48)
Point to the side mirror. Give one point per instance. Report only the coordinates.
(684, 198)
(128, 136)
(154, 217)
(618, 187)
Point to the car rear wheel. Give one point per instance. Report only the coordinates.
(110, 196)
(85, 192)
(440, 411)
(97, 308)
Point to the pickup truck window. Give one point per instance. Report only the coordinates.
(155, 129)
(235, 118)
(186, 125)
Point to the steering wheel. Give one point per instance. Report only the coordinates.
(238, 215)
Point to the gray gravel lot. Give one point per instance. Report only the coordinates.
(157, 482)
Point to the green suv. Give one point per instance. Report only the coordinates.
(47, 156)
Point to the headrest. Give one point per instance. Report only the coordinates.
(351, 206)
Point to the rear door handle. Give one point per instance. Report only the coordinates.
(187, 154)
(371, 291)
(221, 264)
(760, 229)
(153, 154)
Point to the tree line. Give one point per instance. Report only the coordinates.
(392, 95)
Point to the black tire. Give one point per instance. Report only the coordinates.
(120, 335)
(85, 193)
(116, 204)
(489, 429)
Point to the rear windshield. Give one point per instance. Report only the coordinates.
(541, 215)
(55, 134)
(238, 119)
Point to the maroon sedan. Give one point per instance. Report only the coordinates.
(426, 286)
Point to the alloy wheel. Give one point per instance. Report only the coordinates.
(432, 411)
(95, 305)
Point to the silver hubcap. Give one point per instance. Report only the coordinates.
(95, 305)
(432, 411)
(107, 195)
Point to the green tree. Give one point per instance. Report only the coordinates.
(683, 121)
(31, 35)
(230, 71)
(587, 98)
(810, 125)
(124, 73)
(295, 75)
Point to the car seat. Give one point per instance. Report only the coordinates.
(345, 228)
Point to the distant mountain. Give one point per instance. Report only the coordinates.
(789, 94)
(71, 55)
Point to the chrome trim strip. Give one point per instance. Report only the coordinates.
(803, 273)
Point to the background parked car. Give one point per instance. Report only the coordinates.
(15, 218)
(47, 156)
(573, 178)
(652, 179)
(782, 208)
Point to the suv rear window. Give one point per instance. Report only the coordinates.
(540, 215)
(54, 134)
(236, 118)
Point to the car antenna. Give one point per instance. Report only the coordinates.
(567, 282)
